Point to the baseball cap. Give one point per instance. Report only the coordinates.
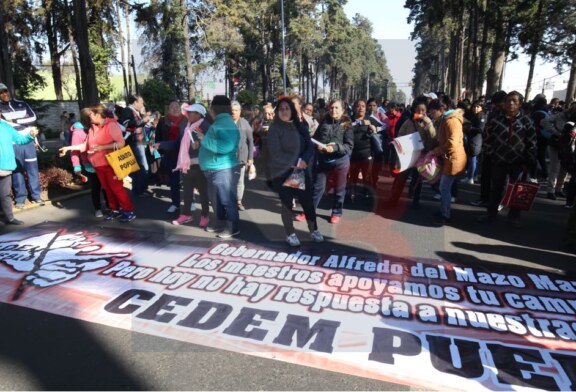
(196, 107)
(431, 95)
(3, 87)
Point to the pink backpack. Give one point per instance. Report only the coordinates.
(429, 167)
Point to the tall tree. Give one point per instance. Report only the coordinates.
(89, 85)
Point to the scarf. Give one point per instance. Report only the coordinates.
(173, 130)
(183, 162)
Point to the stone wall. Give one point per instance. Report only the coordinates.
(49, 112)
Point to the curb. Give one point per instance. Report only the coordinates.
(54, 200)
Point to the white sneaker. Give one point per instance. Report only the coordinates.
(452, 200)
(316, 236)
(172, 209)
(437, 196)
(293, 240)
(98, 214)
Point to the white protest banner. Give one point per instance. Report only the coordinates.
(429, 324)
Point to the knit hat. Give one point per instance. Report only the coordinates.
(3, 87)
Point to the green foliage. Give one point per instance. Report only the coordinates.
(23, 43)
(247, 97)
(156, 94)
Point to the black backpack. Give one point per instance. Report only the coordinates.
(566, 150)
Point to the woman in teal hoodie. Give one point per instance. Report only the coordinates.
(9, 136)
(218, 159)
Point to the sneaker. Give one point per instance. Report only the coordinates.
(300, 217)
(113, 215)
(560, 194)
(182, 220)
(293, 240)
(216, 228)
(241, 206)
(452, 200)
(172, 209)
(16, 222)
(479, 203)
(442, 220)
(334, 219)
(126, 217)
(316, 236)
(486, 219)
(500, 207)
(39, 202)
(551, 196)
(19, 206)
(203, 221)
(437, 196)
(228, 233)
(568, 205)
(81, 177)
(98, 214)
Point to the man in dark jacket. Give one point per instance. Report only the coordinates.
(21, 116)
(511, 143)
(134, 119)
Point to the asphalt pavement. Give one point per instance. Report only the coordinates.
(40, 350)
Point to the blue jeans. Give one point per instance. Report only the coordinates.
(222, 192)
(139, 178)
(446, 194)
(339, 172)
(472, 163)
(26, 162)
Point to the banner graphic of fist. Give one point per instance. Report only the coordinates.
(54, 258)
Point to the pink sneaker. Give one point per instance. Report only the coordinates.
(182, 220)
(203, 221)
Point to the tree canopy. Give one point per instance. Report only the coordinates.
(464, 44)
(326, 53)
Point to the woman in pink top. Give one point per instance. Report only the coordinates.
(83, 169)
(104, 136)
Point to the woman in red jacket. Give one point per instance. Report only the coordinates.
(105, 136)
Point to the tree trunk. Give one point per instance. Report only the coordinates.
(78, 78)
(498, 55)
(121, 40)
(5, 62)
(89, 85)
(52, 37)
(128, 52)
(453, 70)
(187, 52)
(571, 88)
(534, 49)
(481, 71)
(530, 75)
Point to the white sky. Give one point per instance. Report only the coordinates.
(389, 20)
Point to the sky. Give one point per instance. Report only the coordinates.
(389, 21)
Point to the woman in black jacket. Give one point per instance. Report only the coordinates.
(335, 141)
(290, 149)
(361, 156)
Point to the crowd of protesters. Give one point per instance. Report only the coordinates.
(307, 152)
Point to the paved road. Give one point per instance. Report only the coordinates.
(42, 351)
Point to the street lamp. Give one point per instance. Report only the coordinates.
(283, 48)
